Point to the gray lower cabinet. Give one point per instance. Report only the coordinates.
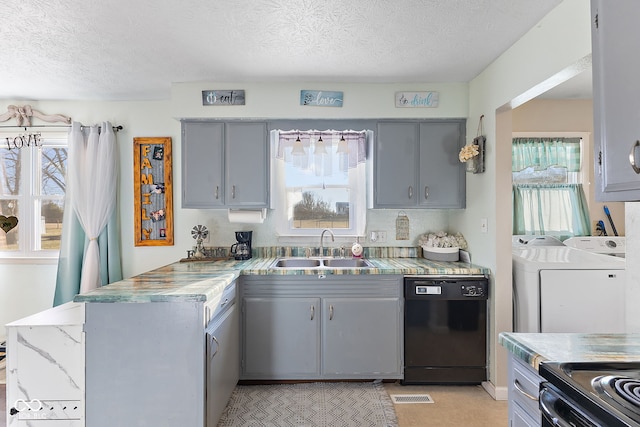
(281, 337)
(417, 165)
(151, 364)
(225, 164)
(524, 383)
(311, 327)
(615, 101)
(223, 361)
(359, 336)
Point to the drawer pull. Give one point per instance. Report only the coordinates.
(518, 387)
(410, 192)
(632, 157)
(214, 339)
(226, 300)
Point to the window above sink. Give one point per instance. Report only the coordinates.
(319, 180)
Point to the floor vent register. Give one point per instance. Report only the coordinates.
(411, 398)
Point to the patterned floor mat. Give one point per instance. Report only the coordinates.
(319, 404)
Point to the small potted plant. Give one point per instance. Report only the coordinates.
(440, 246)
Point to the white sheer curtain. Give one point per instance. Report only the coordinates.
(93, 175)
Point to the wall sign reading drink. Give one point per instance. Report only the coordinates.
(417, 99)
(321, 98)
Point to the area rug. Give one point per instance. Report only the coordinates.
(320, 404)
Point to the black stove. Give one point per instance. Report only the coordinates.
(590, 394)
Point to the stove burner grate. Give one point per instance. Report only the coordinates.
(628, 389)
(619, 390)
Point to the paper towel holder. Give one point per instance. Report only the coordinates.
(250, 216)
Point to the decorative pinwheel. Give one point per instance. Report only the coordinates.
(199, 233)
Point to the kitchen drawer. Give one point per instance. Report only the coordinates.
(524, 387)
(522, 418)
(213, 309)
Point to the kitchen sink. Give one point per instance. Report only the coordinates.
(346, 263)
(319, 263)
(296, 263)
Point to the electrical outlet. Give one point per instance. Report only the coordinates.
(382, 236)
(37, 409)
(373, 236)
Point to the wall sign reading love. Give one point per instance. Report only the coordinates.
(153, 191)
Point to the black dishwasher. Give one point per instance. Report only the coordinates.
(445, 329)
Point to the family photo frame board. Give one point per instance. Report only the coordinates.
(153, 191)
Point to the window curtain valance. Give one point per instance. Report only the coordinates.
(555, 209)
(317, 150)
(542, 153)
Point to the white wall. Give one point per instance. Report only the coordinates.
(557, 48)
(18, 297)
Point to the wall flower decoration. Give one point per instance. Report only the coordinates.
(468, 152)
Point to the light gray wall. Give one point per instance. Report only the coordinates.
(18, 295)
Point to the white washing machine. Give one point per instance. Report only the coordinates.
(564, 289)
(527, 240)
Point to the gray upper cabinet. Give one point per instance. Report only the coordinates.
(395, 164)
(202, 164)
(616, 104)
(442, 175)
(247, 160)
(225, 165)
(417, 166)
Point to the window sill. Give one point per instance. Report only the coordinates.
(29, 260)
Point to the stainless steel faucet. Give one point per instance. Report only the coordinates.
(333, 239)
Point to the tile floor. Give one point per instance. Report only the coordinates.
(468, 406)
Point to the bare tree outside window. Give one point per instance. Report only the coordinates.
(32, 188)
(315, 212)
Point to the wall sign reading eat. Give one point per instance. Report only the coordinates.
(153, 192)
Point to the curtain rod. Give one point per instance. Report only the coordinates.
(115, 128)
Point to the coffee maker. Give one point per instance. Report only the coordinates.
(241, 250)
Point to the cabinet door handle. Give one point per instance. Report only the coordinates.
(426, 191)
(313, 311)
(217, 192)
(518, 387)
(410, 192)
(632, 157)
(233, 191)
(217, 347)
(330, 312)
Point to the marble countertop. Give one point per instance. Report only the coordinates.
(204, 280)
(534, 348)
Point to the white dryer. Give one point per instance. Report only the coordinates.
(563, 289)
(607, 245)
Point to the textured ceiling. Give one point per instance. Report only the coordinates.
(135, 49)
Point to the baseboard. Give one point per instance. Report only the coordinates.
(498, 393)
